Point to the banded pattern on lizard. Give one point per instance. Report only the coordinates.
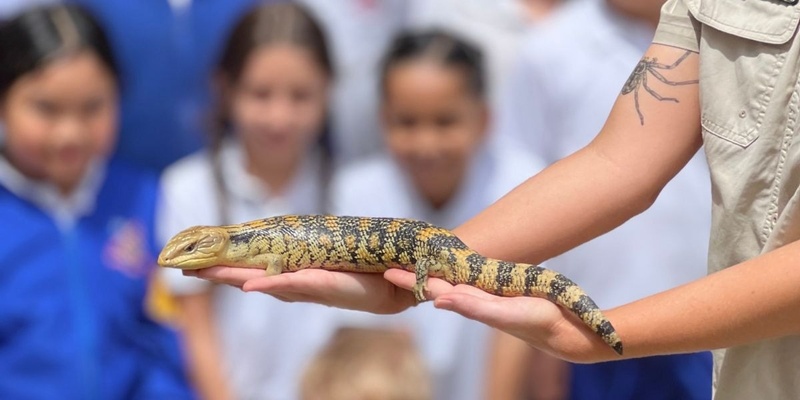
(359, 244)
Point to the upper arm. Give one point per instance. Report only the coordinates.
(654, 127)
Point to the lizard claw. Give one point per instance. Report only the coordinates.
(419, 292)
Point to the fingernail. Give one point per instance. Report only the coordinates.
(443, 304)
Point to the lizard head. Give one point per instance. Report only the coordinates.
(195, 248)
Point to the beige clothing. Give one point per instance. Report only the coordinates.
(750, 100)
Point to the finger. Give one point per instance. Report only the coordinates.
(407, 280)
(472, 307)
(292, 282)
(228, 275)
(511, 314)
(264, 284)
(358, 291)
(282, 298)
(472, 290)
(228, 284)
(403, 279)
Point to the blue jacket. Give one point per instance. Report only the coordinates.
(72, 316)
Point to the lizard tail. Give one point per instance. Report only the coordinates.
(505, 278)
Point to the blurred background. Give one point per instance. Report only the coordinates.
(223, 111)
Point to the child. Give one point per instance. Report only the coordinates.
(366, 364)
(76, 248)
(266, 159)
(440, 169)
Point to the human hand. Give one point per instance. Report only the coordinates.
(355, 291)
(539, 322)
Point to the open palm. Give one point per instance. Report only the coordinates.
(536, 321)
(364, 292)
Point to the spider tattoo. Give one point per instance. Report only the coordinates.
(638, 79)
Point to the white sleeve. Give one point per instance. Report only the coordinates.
(677, 27)
(525, 115)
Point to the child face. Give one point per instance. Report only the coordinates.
(59, 118)
(278, 104)
(434, 125)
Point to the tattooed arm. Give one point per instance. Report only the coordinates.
(649, 68)
(648, 137)
(578, 198)
(618, 175)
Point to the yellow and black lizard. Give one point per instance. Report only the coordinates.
(359, 244)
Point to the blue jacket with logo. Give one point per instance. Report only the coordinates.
(72, 316)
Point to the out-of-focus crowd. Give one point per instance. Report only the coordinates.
(123, 122)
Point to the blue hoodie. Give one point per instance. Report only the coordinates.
(72, 315)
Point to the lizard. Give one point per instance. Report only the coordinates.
(372, 245)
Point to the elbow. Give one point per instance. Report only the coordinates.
(643, 200)
(634, 186)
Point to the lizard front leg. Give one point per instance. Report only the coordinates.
(273, 264)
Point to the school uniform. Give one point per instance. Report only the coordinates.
(749, 102)
(166, 50)
(74, 275)
(558, 99)
(455, 348)
(265, 343)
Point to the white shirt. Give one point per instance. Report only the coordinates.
(453, 346)
(570, 73)
(265, 342)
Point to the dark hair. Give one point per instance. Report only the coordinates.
(274, 23)
(441, 47)
(277, 23)
(40, 35)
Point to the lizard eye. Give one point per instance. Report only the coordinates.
(190, 247)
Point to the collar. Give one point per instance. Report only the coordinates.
(302, 195)
(65, 210)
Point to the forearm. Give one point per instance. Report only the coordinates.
(618, 175)
(752, 301)
(202, 347)
(538, 219)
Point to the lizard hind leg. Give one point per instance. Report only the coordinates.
(424, 268)
(421, 272)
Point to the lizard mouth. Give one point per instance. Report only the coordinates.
(181, 262)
